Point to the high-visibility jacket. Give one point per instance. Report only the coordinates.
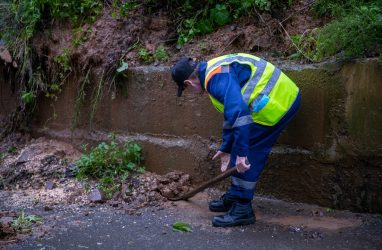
(269, 93)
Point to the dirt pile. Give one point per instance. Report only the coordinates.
(41, 171)
(7, 232)
(38, 163)
(151, 189)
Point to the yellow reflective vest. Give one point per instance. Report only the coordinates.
(269, 93)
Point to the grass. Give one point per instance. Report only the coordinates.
(80, 100)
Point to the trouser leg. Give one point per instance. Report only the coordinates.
(262, 139)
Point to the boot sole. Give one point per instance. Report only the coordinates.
(218, 210)
(241, 222)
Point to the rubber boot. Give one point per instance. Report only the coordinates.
(223, 204)
(239, 214)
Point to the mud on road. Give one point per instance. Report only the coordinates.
(37, 179)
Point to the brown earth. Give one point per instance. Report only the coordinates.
(108, 40)
(39, 172)
(46, 168)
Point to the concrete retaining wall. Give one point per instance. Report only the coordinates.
(331, 154)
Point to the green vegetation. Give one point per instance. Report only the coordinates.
(24, 222)
(96, 99)
(64, 60)
(110, 164)
(20, 20)
(161, 54)
(144, 54)
(11, 150)
(180, 226)
(80, 35)
(204, 17)
(121, 8)
(80, 100)
(355, 30)
(123, 67)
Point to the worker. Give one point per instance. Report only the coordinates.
(258, 101)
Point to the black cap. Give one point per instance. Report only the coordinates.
(181, 71)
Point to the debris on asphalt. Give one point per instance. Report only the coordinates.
(180, 226)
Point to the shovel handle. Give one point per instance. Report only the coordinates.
(206, 184)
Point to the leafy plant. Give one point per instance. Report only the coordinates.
(110, 163)
(64, 60)
(108, 186)
(354, 30)
(204, 18)
(12, 150)
(187, 31)
(144, 54)
(161, 54)
(123, 67)
(24, 222)
(80, 35)
(27, 97)
(307, 43)
(121, 8)
(220, 15)
(180, 226)
(126, 7)
(243, 7)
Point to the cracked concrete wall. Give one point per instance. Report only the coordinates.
(330, 154)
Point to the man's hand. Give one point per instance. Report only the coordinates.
(224, 158)
(242, 164)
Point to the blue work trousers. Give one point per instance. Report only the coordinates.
(262, 139)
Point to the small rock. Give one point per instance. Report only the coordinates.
(96, 196)
(69, 170)
(295, 229)
(6, 220)
(27, 154)
(114, 203)
(4, 54)
(166, 192)
(50, 185)
(233, 27)
(47, 208)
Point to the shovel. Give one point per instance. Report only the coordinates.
(205, 185)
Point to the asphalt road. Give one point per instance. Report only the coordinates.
(280, 225)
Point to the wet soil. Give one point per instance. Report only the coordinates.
(40, 173)
(101, 45)
(37, 180)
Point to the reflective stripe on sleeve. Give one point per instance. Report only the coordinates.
(241, 121)
(242, 183)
